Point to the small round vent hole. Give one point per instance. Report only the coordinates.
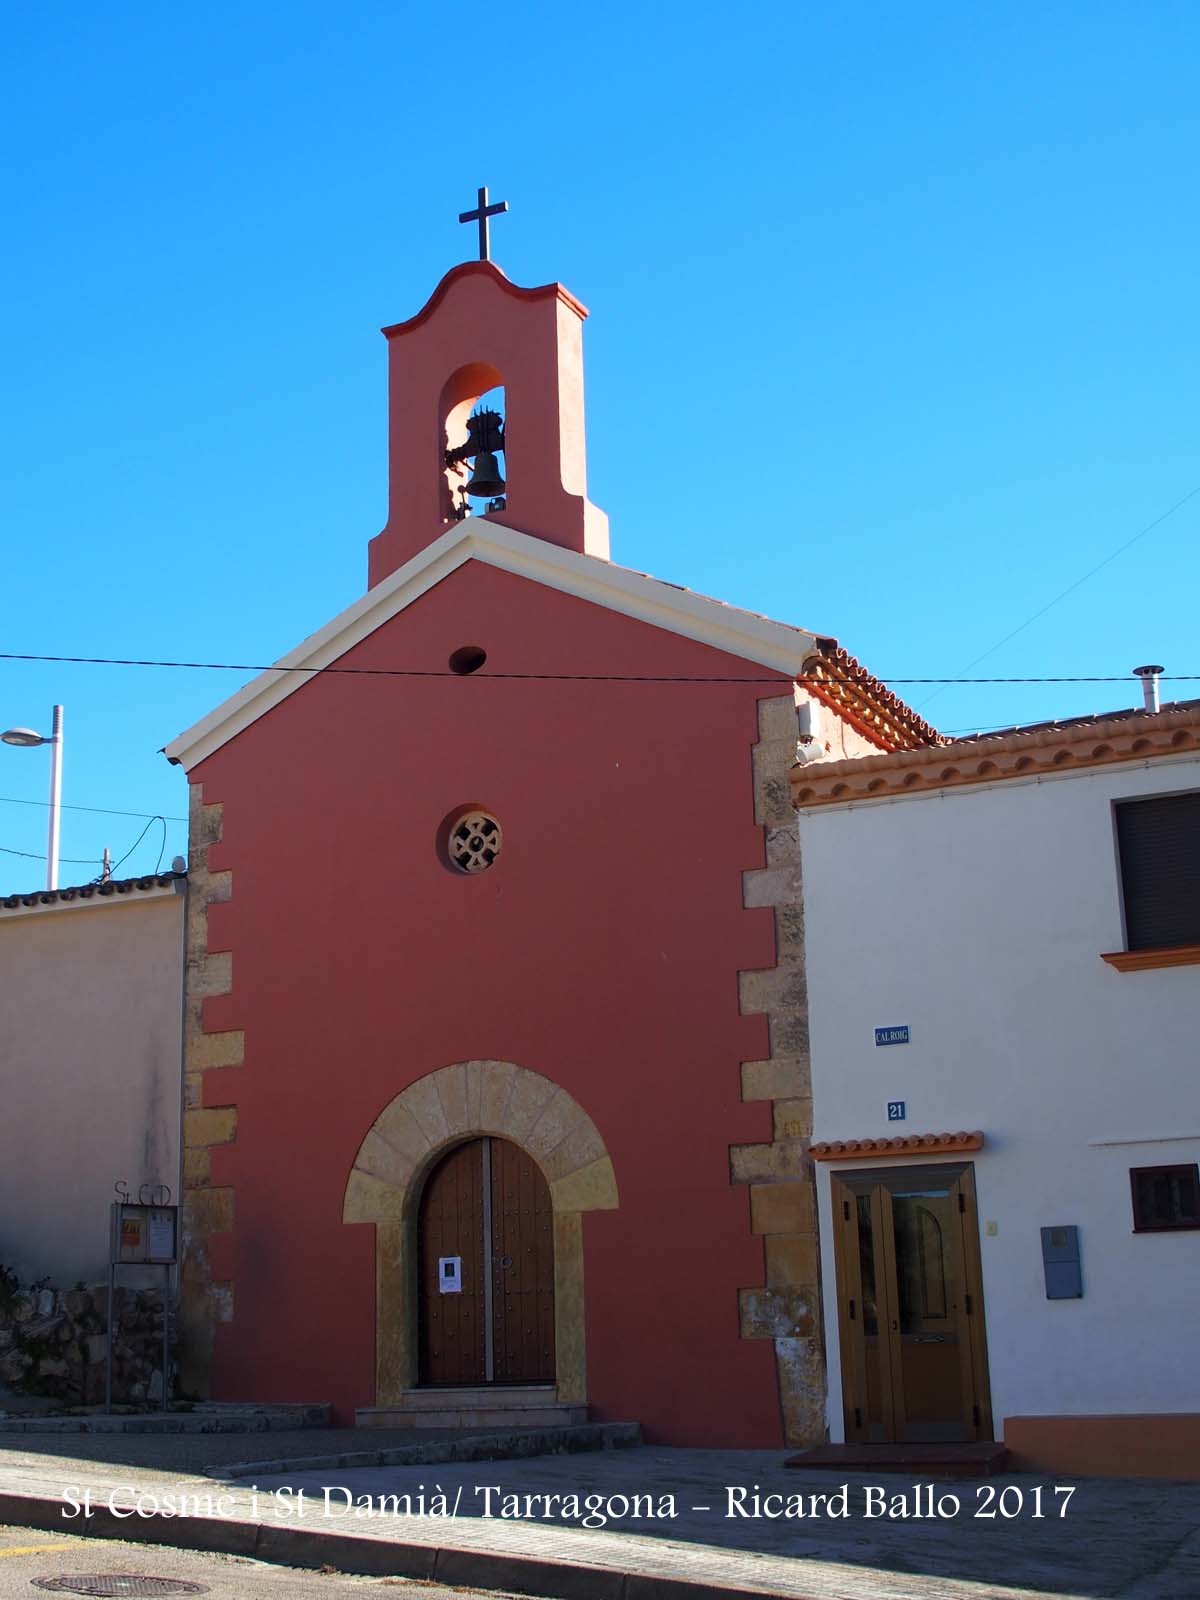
(474, 841)
(469, 659)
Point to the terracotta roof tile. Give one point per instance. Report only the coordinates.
(91, 891)
(1123, 713)
(1077, 742)
(835, 678)
(903, 1144)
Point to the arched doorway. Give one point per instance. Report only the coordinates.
(485, 1268)
(435, 1114)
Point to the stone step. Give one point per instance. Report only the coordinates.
(472, 1408)
(496, 1396)
(209, 1417)
(507, 1444)
(975, 1460)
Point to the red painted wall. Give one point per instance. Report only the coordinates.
(601, 950)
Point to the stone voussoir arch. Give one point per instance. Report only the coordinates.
(475, 1099)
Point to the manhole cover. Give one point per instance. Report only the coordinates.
(117, 1583)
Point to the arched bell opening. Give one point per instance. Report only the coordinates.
(473, 409)
(485, 1268)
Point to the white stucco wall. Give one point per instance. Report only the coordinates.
(90, 1021)
(977, 916)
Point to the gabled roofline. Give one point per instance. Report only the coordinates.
(774, 645)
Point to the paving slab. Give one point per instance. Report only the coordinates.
(704, 1526)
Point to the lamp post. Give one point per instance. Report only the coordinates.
(27, 739)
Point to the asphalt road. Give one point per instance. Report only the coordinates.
(25, 1554)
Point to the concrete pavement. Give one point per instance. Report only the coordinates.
(25, 1556)
(704, 1525)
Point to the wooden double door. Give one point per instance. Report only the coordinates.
(910, 1305)
(486, 1269)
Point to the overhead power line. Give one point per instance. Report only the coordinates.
(32, 855)
(92, 861)
(162, 849)
(1070, 589)
(99, 811)
(556, 677)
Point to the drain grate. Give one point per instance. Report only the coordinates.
(117, 1583)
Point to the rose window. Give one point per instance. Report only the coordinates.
(474, 842)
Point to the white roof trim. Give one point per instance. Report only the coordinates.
(739, 633)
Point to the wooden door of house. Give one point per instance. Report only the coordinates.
(910, 1306)
(486, 1269)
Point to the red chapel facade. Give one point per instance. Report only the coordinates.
(509, 1111)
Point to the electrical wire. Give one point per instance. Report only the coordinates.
(564, 677)
(140, 837)
(31, 855)
(582, 677)
(99, 811)
(1070, 589)
(91, 861)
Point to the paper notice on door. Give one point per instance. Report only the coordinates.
(450, 1274)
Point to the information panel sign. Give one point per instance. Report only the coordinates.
(143, 1235)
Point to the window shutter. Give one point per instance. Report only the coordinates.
(1165, 1198)
(1159, 842)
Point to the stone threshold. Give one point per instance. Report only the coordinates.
(475, 1406)
(507, 1444)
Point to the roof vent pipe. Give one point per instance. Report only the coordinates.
(1149, 677)
(808, 720)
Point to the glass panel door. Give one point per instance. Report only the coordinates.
(922, 1245)
(913, 1358)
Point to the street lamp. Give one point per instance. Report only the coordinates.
(27, 739)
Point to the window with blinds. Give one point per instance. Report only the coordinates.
(1165, 1198)
(1159, 843)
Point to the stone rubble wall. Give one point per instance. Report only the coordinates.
(53, 1343)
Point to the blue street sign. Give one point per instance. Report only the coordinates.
(896, 1112)
(898, 1035)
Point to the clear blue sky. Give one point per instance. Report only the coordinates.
(894, 331)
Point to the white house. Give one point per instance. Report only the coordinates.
(1003, 957)
(91, 996)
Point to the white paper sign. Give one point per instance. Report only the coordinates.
(162, 1236)
(450, 1274)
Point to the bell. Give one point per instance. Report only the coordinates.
(486, 480)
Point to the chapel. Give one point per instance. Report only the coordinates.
(510, 1119)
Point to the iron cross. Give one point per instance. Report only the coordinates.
(480, 215)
